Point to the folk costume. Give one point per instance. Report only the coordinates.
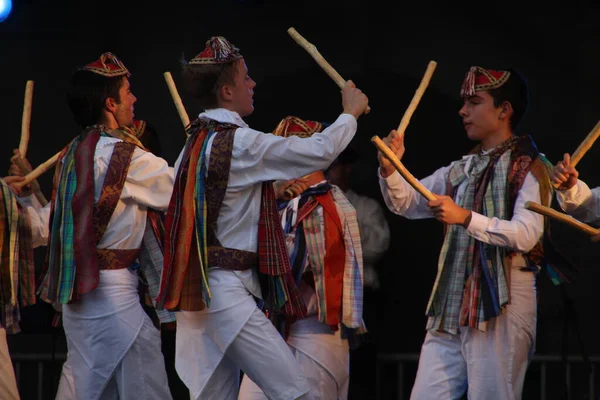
(106, 188)
(482, 310)
(223, 232)
(372, 223)
(19, 233)
(323, 243)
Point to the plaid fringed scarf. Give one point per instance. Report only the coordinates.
(184, 283)
(71, 267)
(280, 293)
(17, 270)
(328, 246)
(353, 281)
(151, 263)
(472, 287)
(191, 245)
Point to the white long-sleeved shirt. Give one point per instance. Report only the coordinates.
(149, 184)
(581, 202)
(521, 233)
(258, 157)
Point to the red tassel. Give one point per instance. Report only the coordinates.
(468, 86)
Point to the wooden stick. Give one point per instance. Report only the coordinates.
(389, 154)
(312, 50)
(185, 120)
(35, 186)
(417, 97)
(26, 120)
(585, 145)
(583, 148)
(567, 219)
(37, 172)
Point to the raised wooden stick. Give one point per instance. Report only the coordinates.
(185, 120)
(585, 145)
(567, 219)
(26, 120)
(417, 97)
(389, 154)
(312, 50)
(37, 172)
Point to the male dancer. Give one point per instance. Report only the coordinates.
(324, 246)
(223, 224)
(105, 186)
(482, 310)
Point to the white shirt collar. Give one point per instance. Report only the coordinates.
(483, 153)
(224, 115)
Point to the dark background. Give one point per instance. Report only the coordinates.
(385, 50)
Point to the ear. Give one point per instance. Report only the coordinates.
(111, 104)
(226, 92)
(506, 110)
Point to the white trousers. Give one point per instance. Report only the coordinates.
(214, 344)
(8, 383)
(114, 349)
(487, 365)
(66, 384)
(142, 361)
(323, 356)
(261, 353)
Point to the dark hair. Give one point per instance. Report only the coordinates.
(88, 93)
(151, 141)
(204, 81)
(514, 91)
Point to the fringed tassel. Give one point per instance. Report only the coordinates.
(468, 86)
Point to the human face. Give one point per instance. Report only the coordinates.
(124, 109)
(480, 117)
(243, 90)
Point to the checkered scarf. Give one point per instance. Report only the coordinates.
(186, 225)
(304, 228)
(71, 267)
(151, 262)
(280, 292)
(455, 302)
(17, 271)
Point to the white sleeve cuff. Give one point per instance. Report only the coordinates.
(393, 180)
(568, 194)
(477, 225)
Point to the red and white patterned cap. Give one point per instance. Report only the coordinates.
(478, 79)
(294, 126)
(107, 65)
(218, 51)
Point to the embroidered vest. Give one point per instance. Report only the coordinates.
(114, 181)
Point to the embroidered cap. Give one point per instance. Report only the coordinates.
(107, 65)
(478, 79)
(218, 51)
(294, 126)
